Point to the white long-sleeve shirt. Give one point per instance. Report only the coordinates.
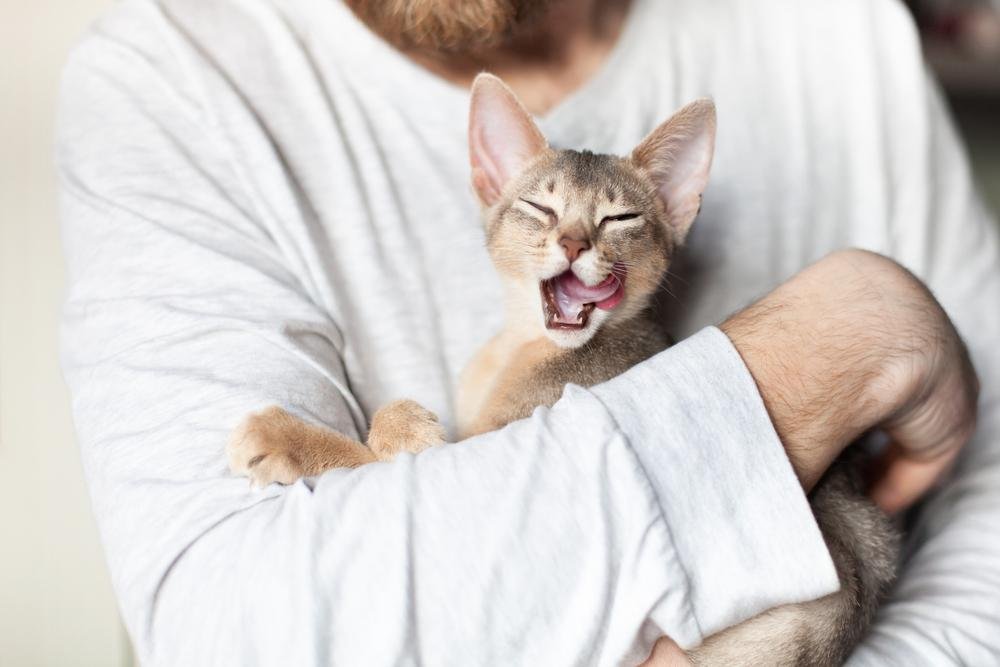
(264, 203)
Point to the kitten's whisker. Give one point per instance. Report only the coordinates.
(677, 276)
(663, 285)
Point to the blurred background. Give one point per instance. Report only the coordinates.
(56, 604)
(962, 45)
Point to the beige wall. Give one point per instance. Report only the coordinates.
(56, 604)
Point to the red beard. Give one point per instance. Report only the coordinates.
(446, 26)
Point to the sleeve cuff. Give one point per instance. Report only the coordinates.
(738, 517)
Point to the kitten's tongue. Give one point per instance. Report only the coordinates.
(571, 294)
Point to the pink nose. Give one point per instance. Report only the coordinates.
(573, 247)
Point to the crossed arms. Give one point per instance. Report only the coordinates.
(570, 537)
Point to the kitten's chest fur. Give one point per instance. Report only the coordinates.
(515, 373)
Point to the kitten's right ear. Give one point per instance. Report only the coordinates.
(677, 156)
(503, 138)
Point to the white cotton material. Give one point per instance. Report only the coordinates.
(263, 203)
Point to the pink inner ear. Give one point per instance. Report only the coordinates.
(686, 178)
(503, 138)
(677, 155)
(484, 185)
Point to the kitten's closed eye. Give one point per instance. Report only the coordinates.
(544, 209)
(620, 217)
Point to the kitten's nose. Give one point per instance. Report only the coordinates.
(573, 247)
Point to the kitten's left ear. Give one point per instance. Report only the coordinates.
(677, 156)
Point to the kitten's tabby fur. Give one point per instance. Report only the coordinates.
(608, 220)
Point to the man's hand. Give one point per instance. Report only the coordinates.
(853, 343)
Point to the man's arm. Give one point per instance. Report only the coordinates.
(830, 369)
(548, 542)
(913, 379)
(946, 606)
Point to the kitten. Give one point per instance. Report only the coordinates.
(582, 243)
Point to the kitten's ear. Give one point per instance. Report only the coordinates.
(502, 137)
(677, 156)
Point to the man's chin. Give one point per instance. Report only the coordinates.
(444, 26)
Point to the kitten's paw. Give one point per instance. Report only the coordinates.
(261, 448)
(404, 426)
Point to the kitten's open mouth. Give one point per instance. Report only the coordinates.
(567, 303)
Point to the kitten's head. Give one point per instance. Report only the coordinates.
(583, 240)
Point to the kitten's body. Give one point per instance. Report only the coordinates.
(582, 243)
(515, 378)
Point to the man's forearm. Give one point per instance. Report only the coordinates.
(829, 367)
(816, 354)
(853, 343)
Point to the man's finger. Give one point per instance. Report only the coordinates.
(904, 480)
(666, 654)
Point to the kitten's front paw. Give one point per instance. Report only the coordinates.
(404, 426)
(261, 448)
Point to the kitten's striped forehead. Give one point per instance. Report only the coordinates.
(605, 176)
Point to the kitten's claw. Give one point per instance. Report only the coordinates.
(260, 448)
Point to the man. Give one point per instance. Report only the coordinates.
(267, 202)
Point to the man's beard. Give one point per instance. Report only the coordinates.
(447, 26)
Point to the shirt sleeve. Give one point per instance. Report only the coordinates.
(576, 536)
(945, 608)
